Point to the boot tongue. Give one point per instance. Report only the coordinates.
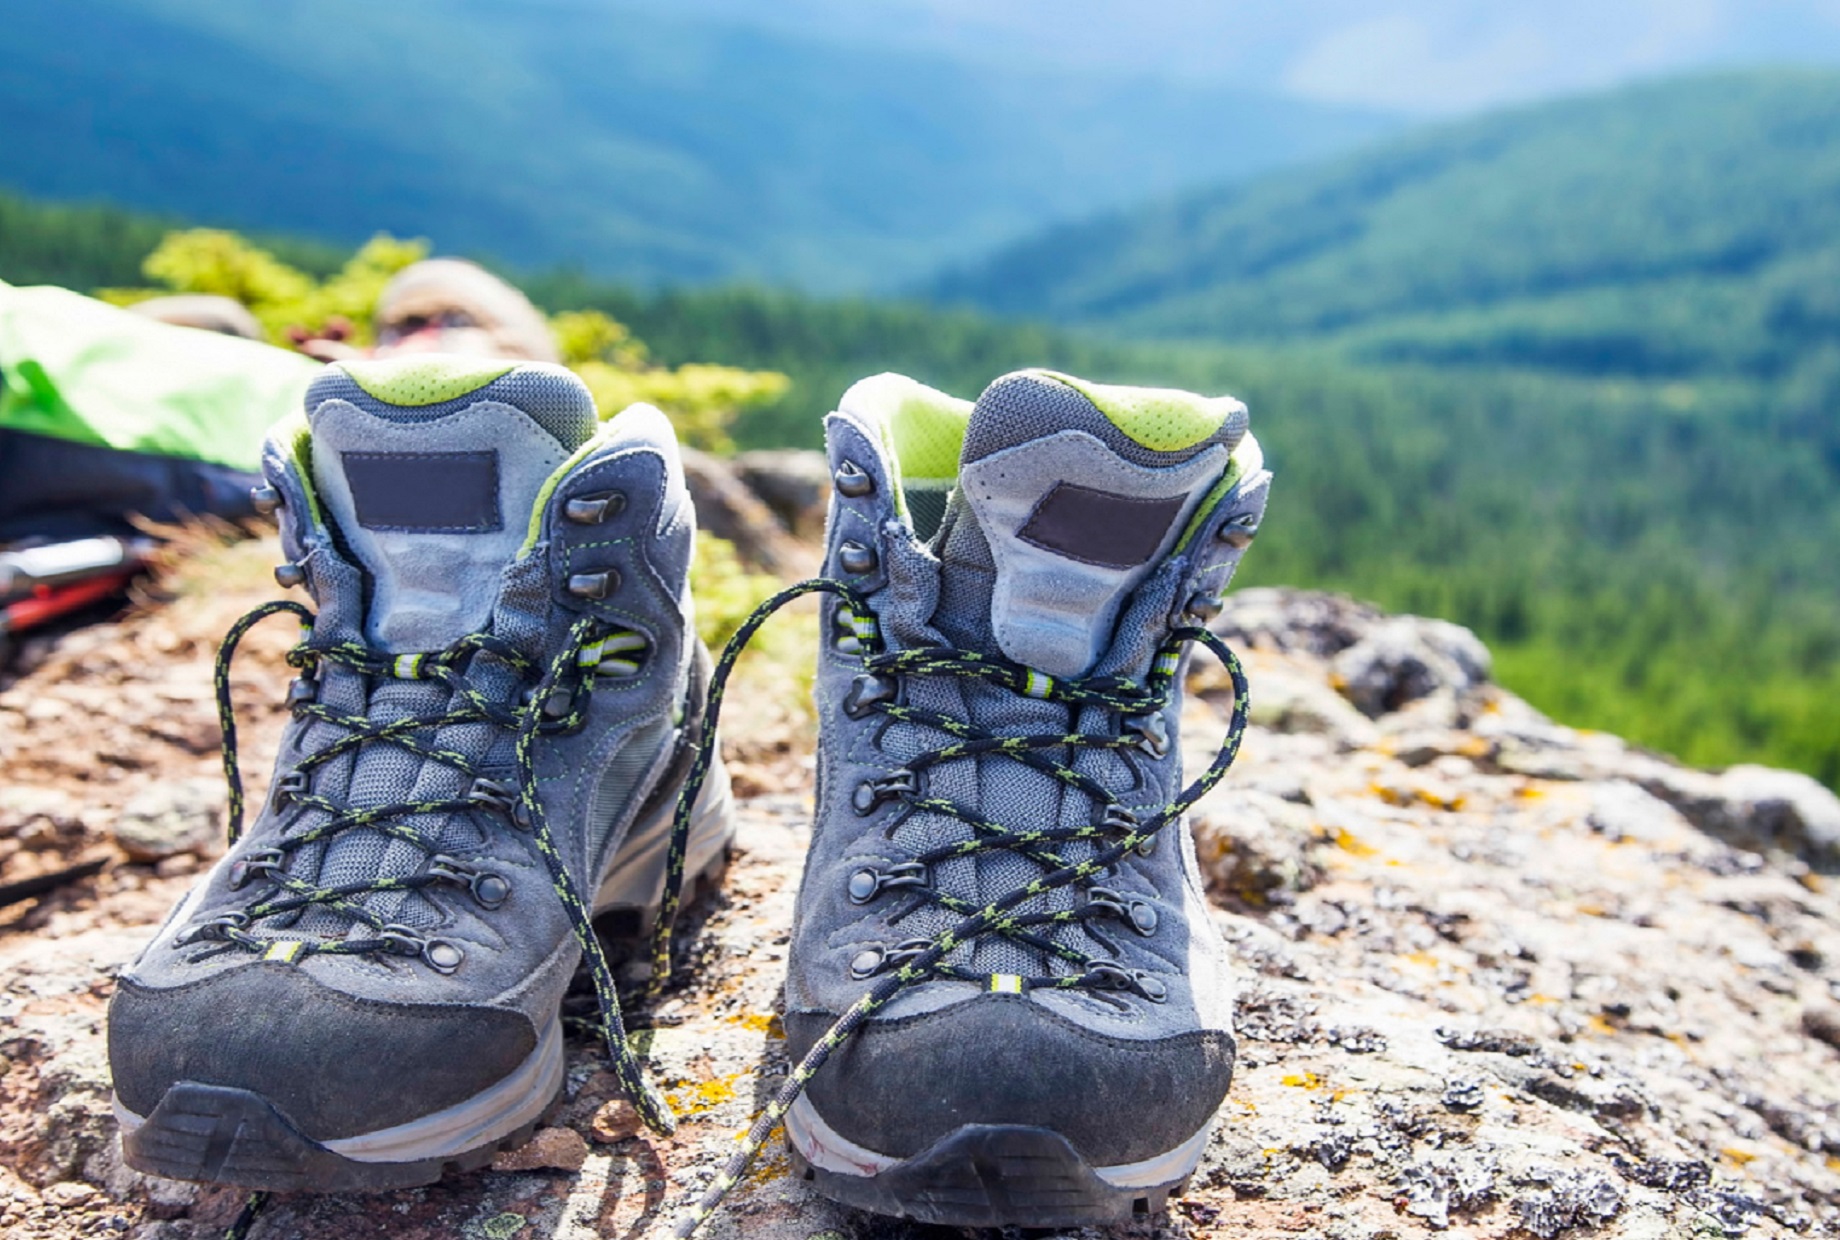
(429, 466)
(1069, 494)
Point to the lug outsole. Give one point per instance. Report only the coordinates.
(217, 1134)
(992, 1175)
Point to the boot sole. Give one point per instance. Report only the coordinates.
(224, 1135)
(988, 1175)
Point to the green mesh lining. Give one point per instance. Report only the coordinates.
(923, 427)
(1247, 459)
(427, 379)
(298, 436)
(1161, 419)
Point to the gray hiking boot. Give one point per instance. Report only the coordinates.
(488, 738)
(1035, 1003)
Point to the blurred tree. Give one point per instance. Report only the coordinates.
(211, 260)
(702, 399)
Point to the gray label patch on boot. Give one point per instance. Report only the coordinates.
(1097, 527)
(425, 492)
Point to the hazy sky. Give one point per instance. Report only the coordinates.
(1422, 56)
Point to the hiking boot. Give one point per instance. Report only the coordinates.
(487, 741)
(1034, 1001)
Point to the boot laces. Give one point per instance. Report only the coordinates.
(1115, 831)
(556, 700)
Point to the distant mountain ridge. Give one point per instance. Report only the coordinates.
(1688, 226)
(630, 143)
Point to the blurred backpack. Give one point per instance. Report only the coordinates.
(107, 415)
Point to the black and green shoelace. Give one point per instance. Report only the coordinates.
(1115, 833)
(468, 704)
(1126, 831)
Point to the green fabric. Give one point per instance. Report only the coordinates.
(414, 381)
(1247, 459)
(74, 368)
(1161, 419)
(924, 427)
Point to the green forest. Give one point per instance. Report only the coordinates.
(1645, 555)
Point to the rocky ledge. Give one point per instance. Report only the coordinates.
(1498, 977)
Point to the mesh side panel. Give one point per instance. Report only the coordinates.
(926, 508)
(613, 795)
(1018, 408)
(554, 398)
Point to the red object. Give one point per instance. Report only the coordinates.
(47, 603)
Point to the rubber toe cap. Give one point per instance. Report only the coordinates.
(335, 1065)
(898, 1086)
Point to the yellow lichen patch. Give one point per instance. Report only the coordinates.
(1732, 1153)
(759, 1022)
(1424, 960)
(1407, 795)
(1301, 1080)
(1600, 1025)
(696, 1098)
(1530, 792)
(1814, 882)
(772, 1167)
(1349, 843)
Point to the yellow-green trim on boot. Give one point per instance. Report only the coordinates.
(1161, 419)
(415, 380)
(922, 428)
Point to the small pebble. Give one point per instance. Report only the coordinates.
(69, 1193)
(616, 1121)
(557, 1149)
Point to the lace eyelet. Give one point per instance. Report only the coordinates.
(898, 784)
(400, 940)
(494, 795)
(253, 866)
(594, 509)
(442, 956)
(869, 690)
(867, 963)
(488, 889)
(869, 882)
(1110, 975)
(289, 786)
(852, 481)
(1152, 733)
(212, 929)
(856, 559)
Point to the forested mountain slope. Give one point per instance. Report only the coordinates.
(621, 138)
(1649, 557)
(1684, 227)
